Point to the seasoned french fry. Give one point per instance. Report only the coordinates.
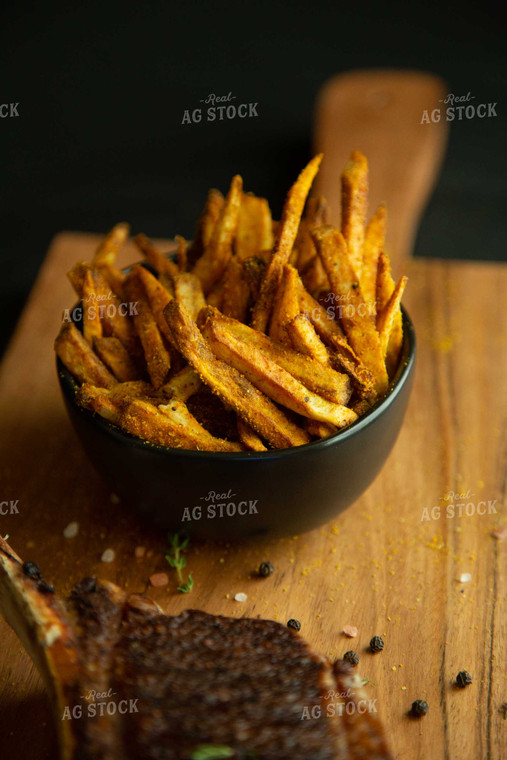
(372, 246)
(183, 384)
(354, 207)
(274, 381)
(92, 326)
(206, 224)
(314, 278)
(359, 328)
(291, 216)
(109, 402)
(182, 253)
(236, 292)
(305, 339)
(114, 314)
(232, 387)
(249, 437)
(385, 289)
(194, 435)
(77, 275)
(211, 265)
(116, 358)
(320, 429)
(158, 298)
(323, 381)
(157, 356)
(79, 358)
(108, 249)
(188, 291)
(253, 269)
(255, 227)
(385, 320)
(286, 306)
(113, 276)
(156, 258)
(216, 296)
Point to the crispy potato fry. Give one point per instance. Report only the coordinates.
(211, 265)
(305, 339)
(216, 296)
(253, 269)
(114, 277)
(92, 326)
(113, 312)
(249, 437)
(108, 249)
(323, 381)
(274, 381)
(182, 253)
(157, 356)
(77, 275)
(108, 402)
(315, 279)
(372, 246)
(236, 292)
(156, 258)
(354, 207)
(320, 429)
(187, 427)
(291, 217)
(286, 305)
(158, 298)
(232, 387)
(116, 358)
(385, 289)
(77, 355)
(358, 326)
(206, 224)
(188, 291)
(183, 384)
(385, 320)
(255, 227)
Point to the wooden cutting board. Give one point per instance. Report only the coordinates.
(379, 566)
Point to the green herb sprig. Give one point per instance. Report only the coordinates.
(178, 544)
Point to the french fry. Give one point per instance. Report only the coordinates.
(216, 296)
(232, 387)
(183, 384)
(291, 217)
(274, 381)
(359, 328)
(305, 339)
(255, 227)
(286, 306)
(116, 358)
(385, 289)
(211, 265)
(385, 320)
(354, 207)
(185, 425)
(92, 326)
(109, 402)
(79, 358)
(206, 224)
(181, 253)
(114, 314)
(188, 291)
(372, 246)
(236, 292)
(316, 214)
(158, 298)
(114, 277)
(320, 429)
(157, 356)
(77, 275)
(156, 258)
(325, 382)
(314, 278)
(253, 269)
(108, 249)
(249, 437)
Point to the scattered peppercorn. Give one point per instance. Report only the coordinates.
(419, 708)
(376, 644)
(463, 679)
(294, 624)
(31, 570)
(351, 657)
(45, 588)
(265, 569)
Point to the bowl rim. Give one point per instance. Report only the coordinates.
(70, 388)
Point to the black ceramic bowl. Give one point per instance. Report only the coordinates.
(228, 496)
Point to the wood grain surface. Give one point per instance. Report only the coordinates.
(379, 566)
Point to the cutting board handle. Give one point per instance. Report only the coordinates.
(383, 114)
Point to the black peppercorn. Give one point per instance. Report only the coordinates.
(45, 588)
(351, 657)
(294, 624)
(31, 570)
(265, 569)
(419, 708)
(463, 679)
(376, 644)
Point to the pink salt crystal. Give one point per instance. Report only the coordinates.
(140, 551)
(500, 533)
(350, 631)
(159, 579)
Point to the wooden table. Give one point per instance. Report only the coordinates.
(379, 566)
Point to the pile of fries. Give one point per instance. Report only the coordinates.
(257, 335)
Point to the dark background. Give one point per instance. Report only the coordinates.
(102, 89)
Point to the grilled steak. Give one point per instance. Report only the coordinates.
(128, 682)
